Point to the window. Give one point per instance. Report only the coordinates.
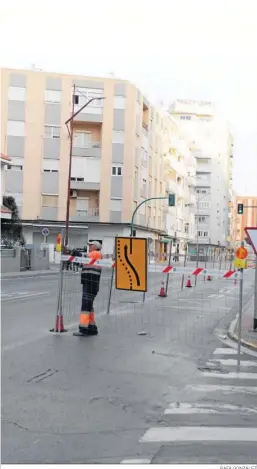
(201, 191)
(82, 205)
(53, 96)
(187, 228)
(49, 201)
(16, 128)
(116, 171)
(144, 156)
(117, 136)
(119, 102)
(188, 118)
(115, 205)
(77, 179)
(17, 196)
(82, 139)
(50, 164)
(50, 170)
(203, 234)
(52, 131)
(202, 161)
(83, 95)
(16, 94)
(203, 219)
(12, 167)
(204, 204)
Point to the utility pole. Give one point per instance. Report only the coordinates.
(70, 121)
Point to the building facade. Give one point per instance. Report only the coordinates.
(212, 146)
(5, 164)
(117, 157)
(180, 171)
(247, 219)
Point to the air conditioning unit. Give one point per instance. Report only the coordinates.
(73, 194)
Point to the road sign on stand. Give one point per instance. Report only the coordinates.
(240, 259)
(131, 264)
(251, 233)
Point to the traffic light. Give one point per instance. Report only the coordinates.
(240, 209)
(171, 200)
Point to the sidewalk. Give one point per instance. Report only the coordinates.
(54, 269)
(249, 337)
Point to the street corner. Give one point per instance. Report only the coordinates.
(247, 341)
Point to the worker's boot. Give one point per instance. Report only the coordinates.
(92, 327)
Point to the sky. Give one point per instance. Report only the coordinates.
(189, 49)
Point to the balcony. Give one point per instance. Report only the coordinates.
(191, 181)
(91, 214)
(93, 113)
(80, 185)
(203, 181)
(93, 150)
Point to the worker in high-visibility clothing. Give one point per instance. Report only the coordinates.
(90, 280)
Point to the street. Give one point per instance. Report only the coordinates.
(158, 385)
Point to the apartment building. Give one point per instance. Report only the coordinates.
(5, 164)
(117, 158)
(247, 219)
(212, 146)
(180, 171)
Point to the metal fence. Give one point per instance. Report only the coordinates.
(179, 316)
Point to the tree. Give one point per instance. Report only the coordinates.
(11, 230)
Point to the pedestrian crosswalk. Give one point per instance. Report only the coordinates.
(219, 411)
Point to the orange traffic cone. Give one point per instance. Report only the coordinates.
(188, 284)
(209, 278)
(162, 293)
(59, 324)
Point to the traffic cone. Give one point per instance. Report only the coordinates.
(162, 293)
(209, 278)
(59, 324)
(188, 284)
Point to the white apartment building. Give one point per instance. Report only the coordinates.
(212, 146)
(180, 167)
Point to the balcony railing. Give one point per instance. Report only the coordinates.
(90, 214)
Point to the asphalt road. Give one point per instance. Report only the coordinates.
(170, 395)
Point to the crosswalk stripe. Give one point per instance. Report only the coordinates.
(170, 434)
(225, 351)
(202, 408)
(233, 362)
(135, 461)
(250, 390)
(230, 375)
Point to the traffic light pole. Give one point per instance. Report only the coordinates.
(136, 209)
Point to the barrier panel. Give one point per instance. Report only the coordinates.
(179, 316)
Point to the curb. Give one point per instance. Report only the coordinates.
(233, 336)
(30, 275)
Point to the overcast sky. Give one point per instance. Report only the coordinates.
(196, 49)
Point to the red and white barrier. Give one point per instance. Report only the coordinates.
(168, 269)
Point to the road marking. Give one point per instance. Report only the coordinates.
(170, 434)
(230, 375)
(215, 296)
(232, 362)
(23, 296)
(135, 461)
(212, 408)
(250, 390)
(225, 351)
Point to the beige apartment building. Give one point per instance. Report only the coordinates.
(117, 157)
(247, 219)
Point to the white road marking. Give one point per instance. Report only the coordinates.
(230, 375)
(225, 351)
(215, 296)
(170, 434)
(233, 362)
(23, 296)
(224, 389)
(212, 408)
(135, 461)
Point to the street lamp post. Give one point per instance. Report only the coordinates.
(71, 135)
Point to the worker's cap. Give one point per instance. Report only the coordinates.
(96, 244)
